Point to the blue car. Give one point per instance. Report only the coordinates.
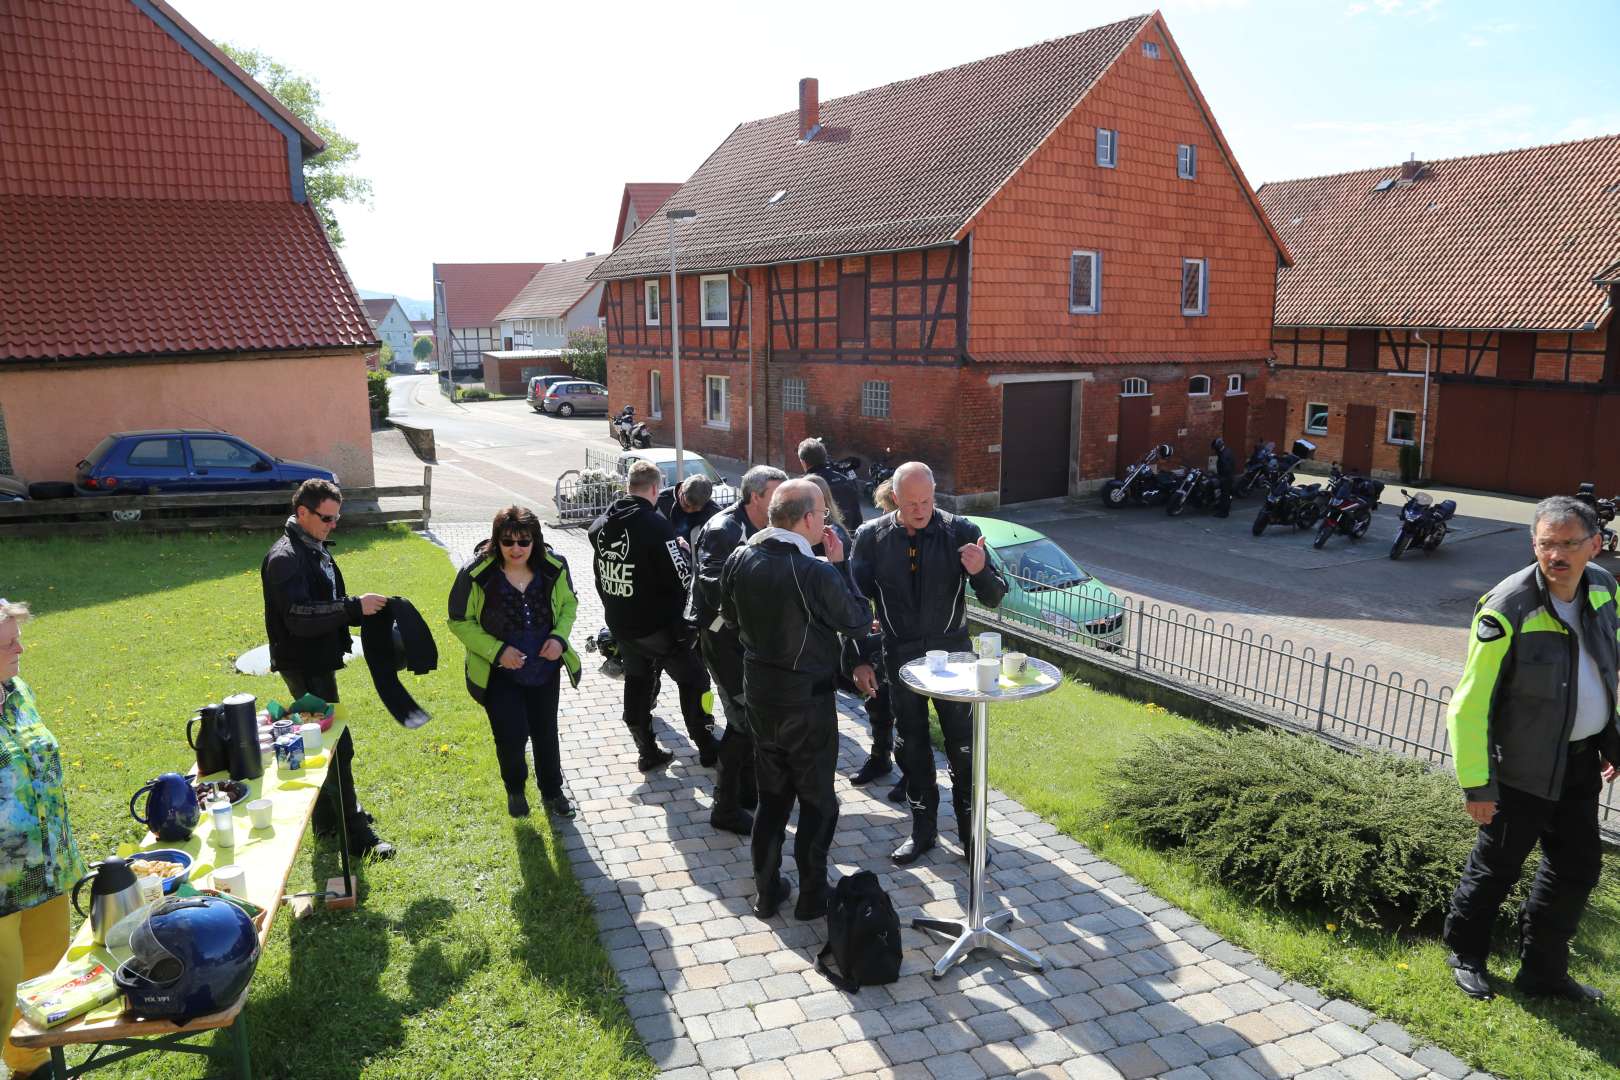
(177, 460)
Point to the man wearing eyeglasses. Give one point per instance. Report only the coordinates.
(1534, 734)
(307, 615)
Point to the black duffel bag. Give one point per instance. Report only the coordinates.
(863, 935)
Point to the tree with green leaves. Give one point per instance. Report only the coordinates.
(328, 176)
(587, 354)
(423, 348)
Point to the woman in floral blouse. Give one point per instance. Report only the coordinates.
(39, 861)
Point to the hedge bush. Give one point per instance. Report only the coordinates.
(377, 391)
(1376, 839)
(473, 393)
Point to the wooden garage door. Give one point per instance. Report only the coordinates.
(1135, 430)
(1036, 444)
(1273, 426)
(1529, 441)
(1235, 423)
(1359, 422)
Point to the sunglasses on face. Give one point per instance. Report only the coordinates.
(330, 519)
(517, 541)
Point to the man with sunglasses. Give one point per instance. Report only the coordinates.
(1534, 733)
(307, 615)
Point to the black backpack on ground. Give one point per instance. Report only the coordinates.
(863, 935)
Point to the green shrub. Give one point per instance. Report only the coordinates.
(377, 391)
(1375, 839)
(473, 393)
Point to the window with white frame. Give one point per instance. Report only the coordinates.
(716, 300)
(1316, 418)
(1234, 384)
(1198, 386)
(1402, 429)
(793, 395)
(717, 401)
(875, 399)
(1194, 286)
(650, 290)
(1133, 388)
(1150, 49)
(1085, 282)
(655, 393)
(1107, 147)
(1187, 161)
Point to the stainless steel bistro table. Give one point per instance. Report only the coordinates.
(977, 932)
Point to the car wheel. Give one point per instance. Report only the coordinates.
(565, 409)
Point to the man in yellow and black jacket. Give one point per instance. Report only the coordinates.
(1534, 734)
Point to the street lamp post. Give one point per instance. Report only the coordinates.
(675, 335)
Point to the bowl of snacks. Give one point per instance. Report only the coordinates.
(170, 864)
(234, 790)
(324, 719)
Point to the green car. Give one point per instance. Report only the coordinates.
(1047, 590)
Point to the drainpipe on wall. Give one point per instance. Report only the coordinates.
(1423, 431)
(748, 306)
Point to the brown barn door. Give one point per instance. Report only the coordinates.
(1273, 425)
(1474, 440)
(1235, 424)
(1036, 446)
(1135, 430)
(1358, 438)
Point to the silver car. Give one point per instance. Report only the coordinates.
(575, 398)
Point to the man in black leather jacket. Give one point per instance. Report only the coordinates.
(1225, 472)
(307, 615)
(642, 576)
(688, 507)
(724, 533)
(790, 609)
(813, 456)
(915, 565)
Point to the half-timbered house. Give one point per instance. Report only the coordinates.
(1465, 307)
(1023, 270)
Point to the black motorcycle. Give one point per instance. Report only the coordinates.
(1254, 469)
(1350, 507)
(1605, 508)
(1145, 484)
(1287, 503)
(1261, 471)
(1423, 522)
(879, 471)
(849, 468)
(630, 432)
(1198, 487)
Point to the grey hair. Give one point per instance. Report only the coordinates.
(911, 468)
(793, 500)
(757, 479)
(826, 494)
(697, 488)
(14, 609)
(1558, 509)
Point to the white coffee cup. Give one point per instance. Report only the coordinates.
(224, 823)
(1014, 665)
(259, 811)
(231, 879)
(312, 738)
(988, 644)
(986, 673)
(937, 659)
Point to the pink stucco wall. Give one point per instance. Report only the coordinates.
(305, 407)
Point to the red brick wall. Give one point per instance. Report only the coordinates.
(1343, 388)
(1140, 216)
(97, 101)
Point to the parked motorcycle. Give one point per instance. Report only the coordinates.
(1254, 469)
(1287, 503)
(1350, 507)
(1423, 522)
(630, 432)
(1145, 484)
(1261, 470)
(879, 471)
(1198, 487)
(849, 468)
(1587, 493)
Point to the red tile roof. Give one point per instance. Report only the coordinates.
(646, 200)
(474, 293)
(132, 277)
(1509, 241)
(553, 291)
(918, 159)
(377, 307)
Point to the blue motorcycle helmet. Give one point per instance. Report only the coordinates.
(188, 957)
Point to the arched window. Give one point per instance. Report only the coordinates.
(1134, 388)
(1198, 385)
(1234, 384)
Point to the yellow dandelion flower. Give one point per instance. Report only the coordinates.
(1332, 928)
(1402, 966)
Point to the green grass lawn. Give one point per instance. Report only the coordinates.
(1052, 754)
(473, 953)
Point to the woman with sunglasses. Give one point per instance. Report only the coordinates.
(513, 607)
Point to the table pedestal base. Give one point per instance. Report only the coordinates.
(968, 938)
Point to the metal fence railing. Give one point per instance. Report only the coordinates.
(582, 494)
(1264, 677)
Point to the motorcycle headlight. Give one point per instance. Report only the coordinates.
(1062, 622)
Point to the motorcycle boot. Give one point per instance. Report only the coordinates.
(924, 831)
(650, 756)
(881, 760)
(736, 755)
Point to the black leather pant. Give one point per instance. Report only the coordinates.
(323, 684)
(1571, 855)
(675, 652)
(525, 715)
(795, 755)
(734, 772)
(914, 749)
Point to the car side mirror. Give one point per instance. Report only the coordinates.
(261, 466)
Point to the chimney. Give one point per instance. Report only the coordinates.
(1410, 169)
(809, 109)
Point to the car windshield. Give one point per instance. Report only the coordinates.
(1042, 565)
(692, 465)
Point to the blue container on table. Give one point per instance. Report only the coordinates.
(171, 807)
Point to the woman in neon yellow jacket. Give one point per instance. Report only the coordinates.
(513, 607)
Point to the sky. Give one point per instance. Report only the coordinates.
(506, 131)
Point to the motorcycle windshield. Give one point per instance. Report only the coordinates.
(1041, 564)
